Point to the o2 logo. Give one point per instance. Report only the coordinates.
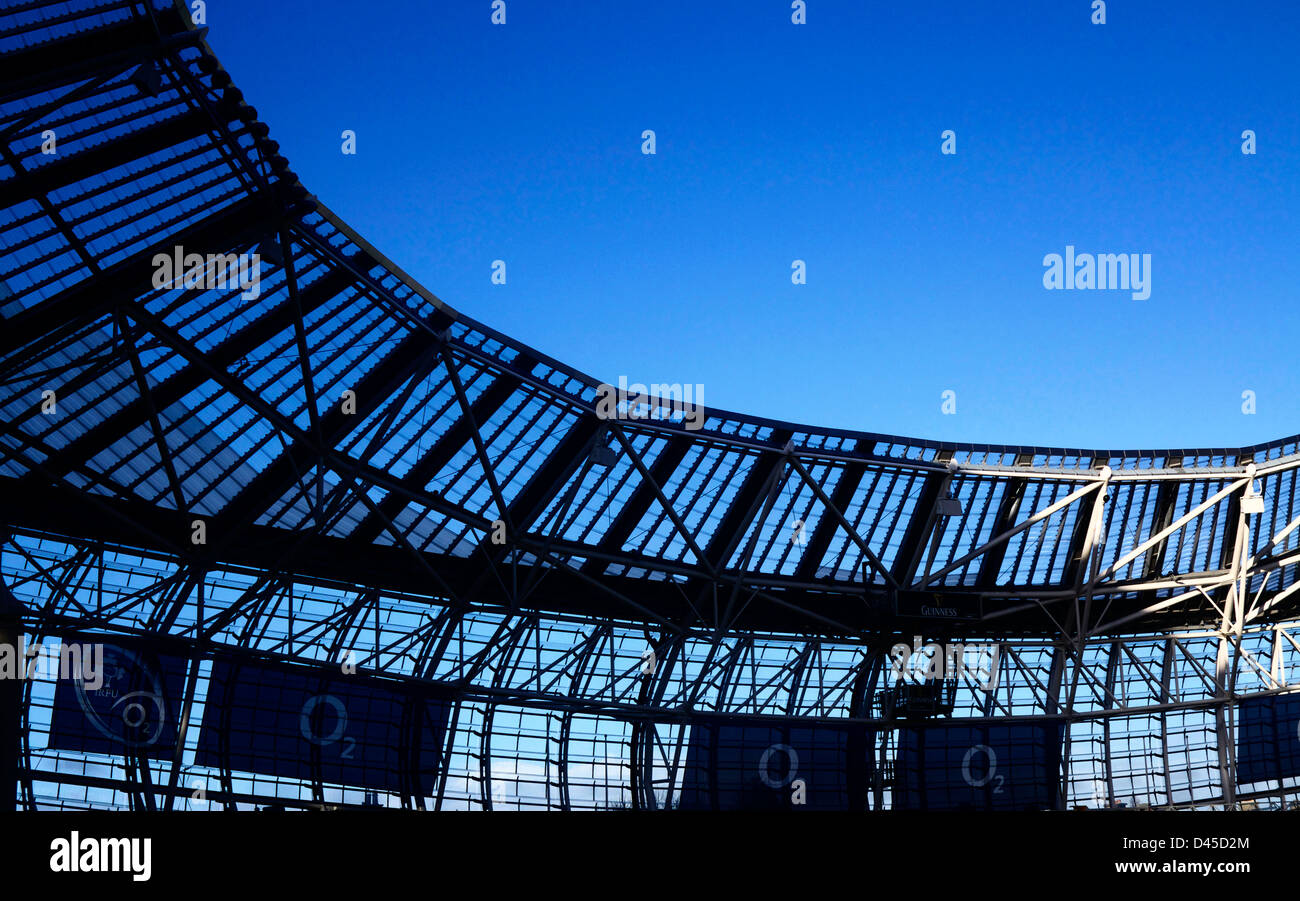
(130, 707)
(991, 775)
(765, 766)
(798, 788)
(336, 734)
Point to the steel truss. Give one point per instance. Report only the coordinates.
(615, 727)
(474, 522)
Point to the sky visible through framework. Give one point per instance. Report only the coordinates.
(822, 143)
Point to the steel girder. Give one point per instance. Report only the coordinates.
(581, 675)
(700, 521)
(130, 413)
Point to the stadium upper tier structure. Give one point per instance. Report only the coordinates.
(315, 539)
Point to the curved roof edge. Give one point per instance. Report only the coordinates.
(911, 448)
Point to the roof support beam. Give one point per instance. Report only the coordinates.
(1165, 532)
(187, 380)
(480, 449)
(631, 513)
(664, 502)
(1084, 538)
(820, 540)
(69, 310)
(1229, 542)
(920, 525)
(747, 502)
(438, 455)
(155, 425)
(867, 553)
(374, 476)
(76, 167)
(408, 360)
(561, 463)
(1010, 533)
(1008, 509)
(79, 56)
(1166, 495)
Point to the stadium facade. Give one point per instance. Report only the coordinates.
(334, 543)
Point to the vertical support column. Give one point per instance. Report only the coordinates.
(1052, 707)
(1089, 565)
(1223, 730)
(863, 774)
(1166, 698)
(1230, 631)
(1108, 703)
(645, 737)
(1277, 663)
(485, 757)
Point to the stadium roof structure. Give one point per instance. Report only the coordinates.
(341, 440)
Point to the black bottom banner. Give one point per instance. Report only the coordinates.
(541, 852)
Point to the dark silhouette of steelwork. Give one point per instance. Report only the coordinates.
(339, 476)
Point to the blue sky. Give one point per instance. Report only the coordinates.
(821, 142)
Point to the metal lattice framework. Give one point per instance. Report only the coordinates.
(350, 446)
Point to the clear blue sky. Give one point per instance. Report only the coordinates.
(822, 142)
